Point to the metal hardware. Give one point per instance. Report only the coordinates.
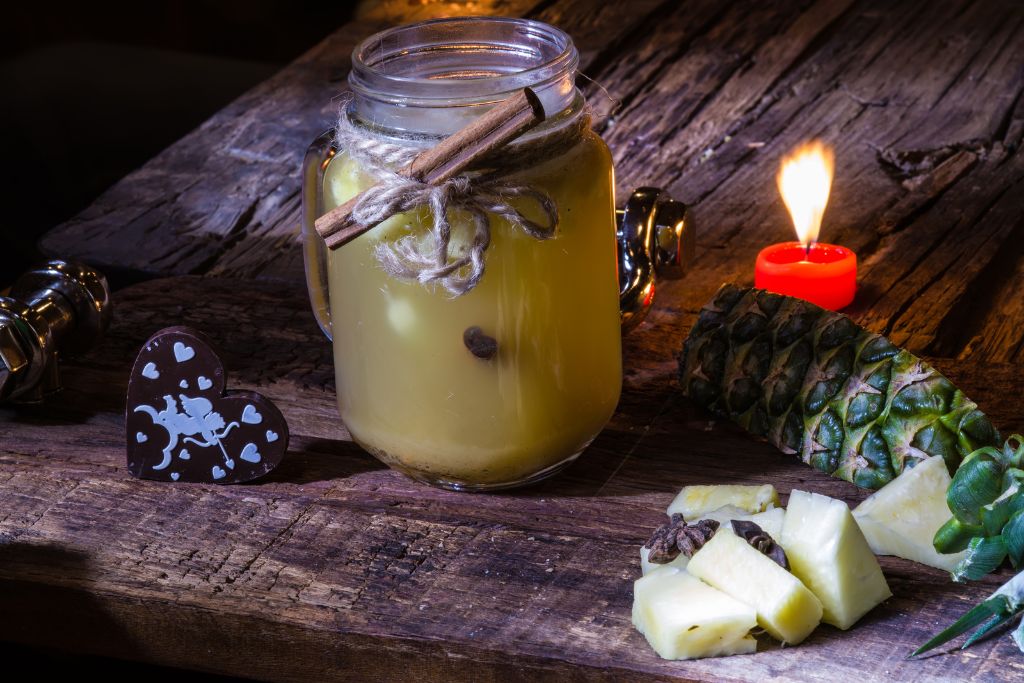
(61, 308)
(656, 239)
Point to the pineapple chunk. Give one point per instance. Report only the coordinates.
(723, 514)
(828, 552)
(695, 501)
(769, 520)
(684, 618)
(785, 608)
(646, 566)
(901, 519)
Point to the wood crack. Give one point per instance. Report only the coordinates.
(934, 246)
(666, 62)
(964, 321)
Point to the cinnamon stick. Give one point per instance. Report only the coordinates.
(508, 120)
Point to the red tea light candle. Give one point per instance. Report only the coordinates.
(823, 274)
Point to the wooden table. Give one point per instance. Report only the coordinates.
(336, 567)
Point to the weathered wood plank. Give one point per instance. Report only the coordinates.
(868, 112)
(686, 108)
(922, 100)
(269, 249)
(224, 199)
(336, 567)
(1000, 335)
(236, 176)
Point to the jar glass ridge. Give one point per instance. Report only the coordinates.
(409, 390)
(432, 78)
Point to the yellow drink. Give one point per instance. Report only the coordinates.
(410, 391)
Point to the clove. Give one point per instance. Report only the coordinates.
(761, 541)
(479, 344)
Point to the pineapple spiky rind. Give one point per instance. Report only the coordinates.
(816, 384)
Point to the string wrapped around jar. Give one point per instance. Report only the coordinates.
(484, 191)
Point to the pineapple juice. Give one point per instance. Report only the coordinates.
(410, 391)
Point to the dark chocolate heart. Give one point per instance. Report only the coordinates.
(183, 425)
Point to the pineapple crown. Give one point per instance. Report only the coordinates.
(986, 497)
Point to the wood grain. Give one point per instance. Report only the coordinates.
(923, 102)
(338, 568)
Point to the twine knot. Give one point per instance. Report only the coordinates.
(478, 195)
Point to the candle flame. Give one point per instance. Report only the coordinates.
(805, 179)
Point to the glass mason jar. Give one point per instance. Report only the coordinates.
(410, 391)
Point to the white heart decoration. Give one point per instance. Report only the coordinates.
(250, 453)
(198, 422)
(183, 353)
(250, 416)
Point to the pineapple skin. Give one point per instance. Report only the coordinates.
(903, 517)
(828, 552)
(683, 618)
(785, 607)
(814, 383)
(693, 502)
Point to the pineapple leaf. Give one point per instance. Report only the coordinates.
(977, 482)
(1013, 538)
(1005, 603)
(1013, 451)
(987, 628)
(954, 535)
(977, 615)
(996, 514)
(984, 555)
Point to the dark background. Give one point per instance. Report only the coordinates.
(90, 91)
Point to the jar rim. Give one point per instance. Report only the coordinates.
(545, 55)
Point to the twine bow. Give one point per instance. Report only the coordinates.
(429, 258)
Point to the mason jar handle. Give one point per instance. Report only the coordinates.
(314, 165)
(655, 238)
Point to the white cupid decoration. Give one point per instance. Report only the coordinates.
(199, 419)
